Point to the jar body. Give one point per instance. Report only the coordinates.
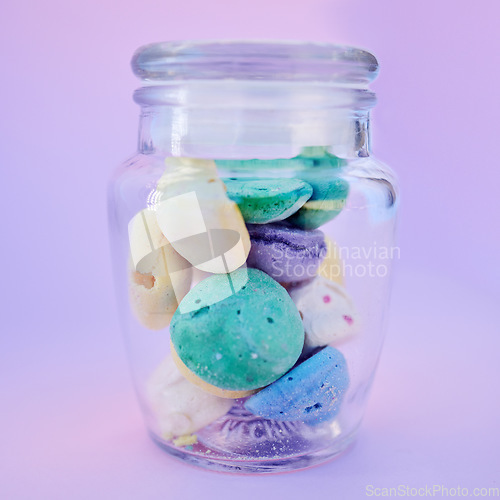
(252, 238)
(340, 293)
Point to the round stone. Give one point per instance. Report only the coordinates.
(327, 311)
(286, 253)
(267, 200)
(327, 201)
(312, 392)
(238, 331)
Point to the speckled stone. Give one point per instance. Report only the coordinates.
(239, 331)
(312, 392)
(327, 311)
(327, 201)
(286, 253)
(267, 200)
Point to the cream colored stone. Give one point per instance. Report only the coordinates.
(159, 277)
(198, 219)
(187, 440)
(331, 266)
(180, 407)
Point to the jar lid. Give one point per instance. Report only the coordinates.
(254, 61)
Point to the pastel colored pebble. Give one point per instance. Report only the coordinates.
(158, 276)
(310, 157)
(237, 332)
(331, 268)
(327, 311)
(152, 299)
(198, 219)
(267, 200)
(186, 440)
(145, 236)
(179, 407)
(286, 253)
(317, 167)
(327, 201)
(205, 386)
(312, 392)
(315, 157)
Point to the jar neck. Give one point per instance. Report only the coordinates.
(233, 133)
(253, 99)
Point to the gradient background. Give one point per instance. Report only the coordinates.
(70, 425)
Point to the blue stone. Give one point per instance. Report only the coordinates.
(311, 392)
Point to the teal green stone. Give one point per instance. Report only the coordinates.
(319, 157)
(327, 201)
(238, 331)
(310, 157)
(267, 200)
(317, 167)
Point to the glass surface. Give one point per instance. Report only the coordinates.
(253, 273)
(279, 61)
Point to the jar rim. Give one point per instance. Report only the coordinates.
(255, 60)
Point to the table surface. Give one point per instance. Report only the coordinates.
(72, 427)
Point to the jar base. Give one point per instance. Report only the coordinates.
(243, 443)
(275, 466)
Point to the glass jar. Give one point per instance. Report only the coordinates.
(252, 237)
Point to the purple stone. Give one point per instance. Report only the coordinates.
(285, 253)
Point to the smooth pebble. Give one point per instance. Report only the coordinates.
(312, 392)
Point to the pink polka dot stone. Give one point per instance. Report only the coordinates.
(327, 312)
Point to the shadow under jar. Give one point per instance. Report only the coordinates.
(252, 237)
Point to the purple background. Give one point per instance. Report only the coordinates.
(71, 427)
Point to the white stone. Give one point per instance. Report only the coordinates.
(180, 407)
(327, 312)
